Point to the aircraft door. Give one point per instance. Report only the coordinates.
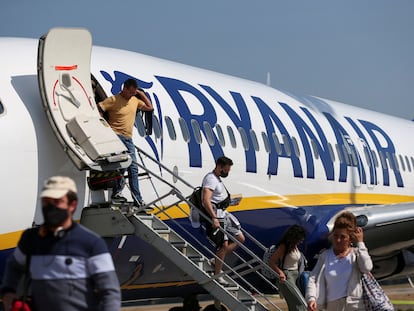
(367, 157)
(361, 161)
(352, 160)
(64, 57)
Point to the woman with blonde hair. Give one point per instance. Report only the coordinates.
(335, 282)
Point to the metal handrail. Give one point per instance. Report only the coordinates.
(254, 265)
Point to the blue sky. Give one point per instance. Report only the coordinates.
(358, 52)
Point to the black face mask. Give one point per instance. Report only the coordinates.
(54, 216)
(224, 174)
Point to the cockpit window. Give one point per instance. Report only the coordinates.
(1, 108)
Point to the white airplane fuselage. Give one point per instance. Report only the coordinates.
(297, 159)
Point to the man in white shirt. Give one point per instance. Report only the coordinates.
(216, 199)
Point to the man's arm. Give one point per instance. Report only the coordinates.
(13, 273)
(108, 290)
(208, 206)
(147, 103)
(104, 278)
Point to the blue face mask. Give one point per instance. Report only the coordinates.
(53, 215)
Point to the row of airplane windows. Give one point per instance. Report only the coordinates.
(346, 153)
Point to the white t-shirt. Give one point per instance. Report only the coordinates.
(337, 274)
(214, 183)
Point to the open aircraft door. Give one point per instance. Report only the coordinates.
(361, 161)
(64, 57)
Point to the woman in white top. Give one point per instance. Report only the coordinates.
(285, 262)
(335, 282)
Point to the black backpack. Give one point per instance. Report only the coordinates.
(195, 199)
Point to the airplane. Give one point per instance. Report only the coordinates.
(297, 159)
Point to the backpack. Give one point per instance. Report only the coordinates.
(302, 282)
(196, 207)
(267, 271)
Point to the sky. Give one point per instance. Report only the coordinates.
(359, 52)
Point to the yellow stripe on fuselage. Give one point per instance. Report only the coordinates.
(9, 240)
(300, 200)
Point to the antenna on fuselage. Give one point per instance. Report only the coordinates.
(268, 79)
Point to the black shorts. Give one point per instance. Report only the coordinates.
(215, 235)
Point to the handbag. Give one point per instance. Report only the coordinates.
(373, 295)
(20, 305)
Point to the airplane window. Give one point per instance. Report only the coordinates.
(383, 160)
(339, 152)
(1, 108)
(196, 131)
(139, 124)
(402, 162)
(390, 161)
(184, 130)
(346, 155)
(354, 156)
(156, 126)
(277, 144)
(350, 153)
(170, 128)
(367, 157)
(394, 161)
(374, 156)
(286, 143)
(220, 135)
(331, 152)
(231, 136)
(254, 140)
(209, 133)
(315, 149)
(412, 162)
(266, 142)
(408, 163)
(244, 138)
(295, 147)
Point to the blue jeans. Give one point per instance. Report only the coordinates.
(132, 172)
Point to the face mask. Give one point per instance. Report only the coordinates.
(54, 216)
(224, 174)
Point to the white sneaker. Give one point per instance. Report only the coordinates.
(222, 281)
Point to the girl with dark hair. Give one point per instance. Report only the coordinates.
(287, 261)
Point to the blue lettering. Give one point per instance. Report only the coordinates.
(305, 131)
(239, 122)
(387, 151)
(340, 133)
(270, 118)
(174, 88)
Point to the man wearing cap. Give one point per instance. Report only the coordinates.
(70, 266)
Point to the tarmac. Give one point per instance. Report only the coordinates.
(402, 296)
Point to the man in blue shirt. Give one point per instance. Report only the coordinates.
(70, 266)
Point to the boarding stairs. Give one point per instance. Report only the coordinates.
(125, 219)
